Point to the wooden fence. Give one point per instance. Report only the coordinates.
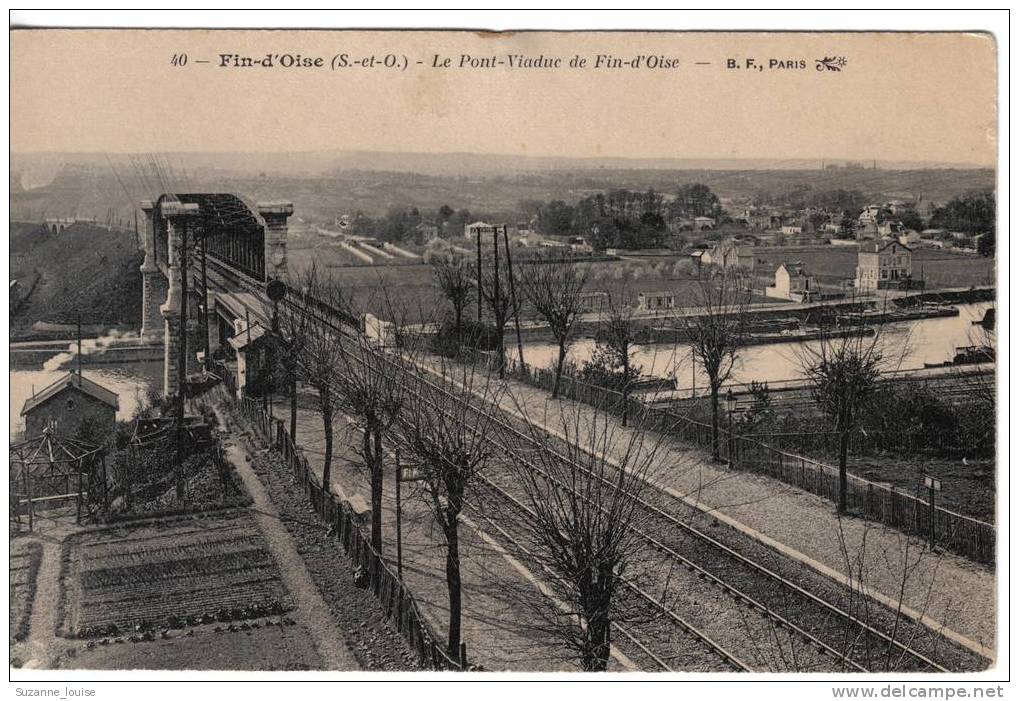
(909, 513)
(397, 602)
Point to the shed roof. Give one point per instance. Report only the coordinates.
(69, 380)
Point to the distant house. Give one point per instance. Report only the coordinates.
(792, 282)
(579, 244)
(792, 229)
(883, 265)
(654, 301)
(891, 228)
(731, 255)
(899, 208)
(67, 403)
(482, 229)
(759, 220)
(594, 301)
(703, 223)
(909, 238)
(871, 214)
(866, 231)
(832, 226)
(426, 232)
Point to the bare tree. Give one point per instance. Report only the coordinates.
(288, 339)
(448, 433)
(843, 368)
(582, 494)
(455, 276)
(320, 353)
(495, 286)
(717, 330)
(555, 290)
(371, 383)
(619, 334)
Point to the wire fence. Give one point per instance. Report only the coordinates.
(909, 513)
(398, 604)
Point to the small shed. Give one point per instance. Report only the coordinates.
(67, 403)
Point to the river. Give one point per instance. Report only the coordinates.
(905, 346)
(130, 380)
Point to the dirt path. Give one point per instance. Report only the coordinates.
(42, 647)
(312, 611)
(498, 633)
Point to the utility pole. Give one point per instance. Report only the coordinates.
(182, 357)
(205, 305)
(496, 303)
(479, 275)
(79, 348)
(513, 294)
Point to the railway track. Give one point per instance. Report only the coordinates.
(642, 639)
(847, 641)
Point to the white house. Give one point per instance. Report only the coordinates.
(792, 282)
(884, 265)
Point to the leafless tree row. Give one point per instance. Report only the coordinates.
(444, 420)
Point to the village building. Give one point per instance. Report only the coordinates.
(759, 220)
(68, 403)
(883, 265)
(792, 282)
(731, 255)
(867, 231)
(909, 238)
(483, 229)
(426, 232)
(871, 214)
(703, 223)
(890, 228)
(654, 301)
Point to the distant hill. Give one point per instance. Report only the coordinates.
(37, 168)
(95, 190)
(84, 268)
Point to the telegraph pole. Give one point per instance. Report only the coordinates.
(513, 295)
(182, 358)
(79, 348)
(205, 306)
(479, 276)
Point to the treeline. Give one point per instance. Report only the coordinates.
(401, 224)
(626, 218)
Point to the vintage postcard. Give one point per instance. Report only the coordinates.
(535, 351)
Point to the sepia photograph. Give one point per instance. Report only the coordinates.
(506, 353)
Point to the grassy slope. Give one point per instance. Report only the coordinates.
(84, 268)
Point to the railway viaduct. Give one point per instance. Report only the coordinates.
(215, 254)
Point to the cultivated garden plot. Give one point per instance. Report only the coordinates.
(167, 576)
(25, 557)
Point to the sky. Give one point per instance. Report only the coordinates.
(898, 96)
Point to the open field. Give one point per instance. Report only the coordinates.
(834, 263)
(167, 575)
(25, 556)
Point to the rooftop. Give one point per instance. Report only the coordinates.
(71, 380)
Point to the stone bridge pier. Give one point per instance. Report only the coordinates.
(250, 247)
